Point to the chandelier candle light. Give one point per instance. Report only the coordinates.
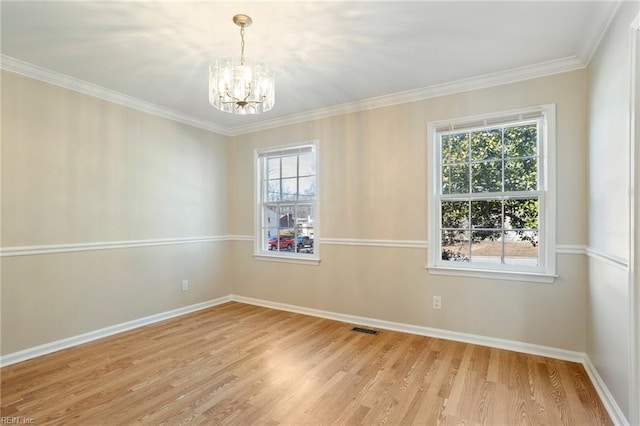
(241, 85)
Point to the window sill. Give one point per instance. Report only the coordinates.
(495, 275)
(288, 259)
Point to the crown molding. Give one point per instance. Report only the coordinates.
(595, 32)
(514, 75)
(48, 76)
(474, 83)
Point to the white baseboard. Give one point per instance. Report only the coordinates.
(605, 395)
(58, 345)
(528, 348)
(617, 416)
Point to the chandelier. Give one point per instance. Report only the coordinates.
(241, 85)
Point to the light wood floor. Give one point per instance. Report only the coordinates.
(240, 364)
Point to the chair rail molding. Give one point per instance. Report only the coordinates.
(105, 245)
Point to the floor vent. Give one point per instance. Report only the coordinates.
(365, 330)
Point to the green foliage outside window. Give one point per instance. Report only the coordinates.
(488, 181)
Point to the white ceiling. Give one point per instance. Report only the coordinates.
(328, 56)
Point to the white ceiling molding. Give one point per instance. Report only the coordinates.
(488, 80)
(597, 31)
(24, 68)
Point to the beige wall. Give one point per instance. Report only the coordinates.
(373, 186)
(93, 171)
(608, 314)
(77, 170)
(103, 172)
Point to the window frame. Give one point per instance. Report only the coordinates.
(545, 192)
(261, 155)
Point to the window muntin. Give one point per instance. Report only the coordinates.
(490, 209)
(287, 202)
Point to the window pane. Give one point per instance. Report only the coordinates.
(273, 168)
(271, 217)
(304, 229)
(270, 239)
(307, 188)
(286, 219)
(455, 179)
(455, 246)
(521, 175)
(486, 247)
(282, 242)
(304, 217)
(273, 190)
(521, 214)
(289, 166)
(289, 189)
(455, 214)
(521, 141)
(307, 164)
(455, 148)
(521, 248)
(270, 232)
(486, 214)
(270, 229)
(304, 243)
(486, 144)
(487, 176)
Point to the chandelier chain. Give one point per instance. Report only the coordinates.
(242, 45)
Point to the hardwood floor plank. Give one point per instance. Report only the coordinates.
(241, 364)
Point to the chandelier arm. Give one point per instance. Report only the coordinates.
(254, 102)
(237, 100)
(233, 101)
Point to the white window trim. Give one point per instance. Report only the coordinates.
(546, 273)
(286, 257)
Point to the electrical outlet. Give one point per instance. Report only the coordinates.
(437, 302)
(185, 285)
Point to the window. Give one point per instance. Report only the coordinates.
(491, 200)
(287, 198)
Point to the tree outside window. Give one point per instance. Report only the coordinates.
(491, 192)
